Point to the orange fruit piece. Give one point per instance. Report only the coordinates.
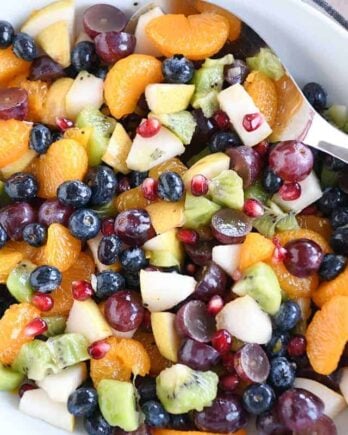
(11, 66)
(61, 250)
(196, 36)
(8, 260)
(191, 432)
(328, 289)
(316, 223)
(132, 198)
(263, 91)
(65, 160)
(172, 165)
(303, 233)
(14, 140)
(255, 248)
(158, 362)
(82, 269)
(126, 82)
(12, 326)
(327, 335)
(126, 356)
(28, 252)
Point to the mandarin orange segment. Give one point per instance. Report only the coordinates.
(158, 362)
(8, 260)
(172, 165)
(132, 198)
(327, 290)
(28, 252)
(327, 335)
(179, 432)
(126, 82)
(12, 326)
(65, 160)
(196, 36)
(316, 223)
(14, 140)
(11, 66)
(263, 91)
(303, 233)
(255, 248)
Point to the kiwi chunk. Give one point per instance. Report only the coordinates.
(68, 349)
(18, 281)
(182, 124)
(55, 324)
(268, 63)
(198, 211)
(9, 379)
(226, 189)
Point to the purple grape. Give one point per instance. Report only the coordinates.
(237, 72)
(298, 409)
(200, 253)
(113, 46)
(303, 257)
(134, 227)
(124, 310)
(246, 162)
(46, 69)
(269, 424)
(15, 217)
(193, 320)
(13, 103)
(251, 363)
(226, 414)
(230, 226)
(213, 282)
(323, 426)
(52, 211)
(103, 18)
(198, 356)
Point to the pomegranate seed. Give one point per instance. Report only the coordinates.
(297, 346)
(253, 208)
(191, 269)
(81, 290)
(290, 191)
(311, 209)
(42, 301)
(199, 185)
(26, 387)
(252, 121)
(229, 382)
(279, 252)
(237, 275)
(107, 227)
(64, 123)
(123, 185)
(98, 349)
(190, 237)
(222, 341)
(228, 362)
(215, 305)
(146, 323)
(149, 188)
(149, 127)
(36, 327)
(262, 148)
(221, 120)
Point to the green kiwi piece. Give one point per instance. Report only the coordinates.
(9, 379)
(18, 281)
(68, 349)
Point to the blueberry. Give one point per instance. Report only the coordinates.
(133, 259)
(258, 398)
(146, 387)
(24, 47)
(40, 138)
(97, 425)
(6, 299)
(222, 140)
(287, 316)
(3, 236)
(56, 135)
(101, 72)
(282, 373)
(103, 183)
(316, 95)
(83, 56)
(178, 69)
(170, 186)
(109, 249)
(332, 198)
(331, 266)
(180, 422)
(277, 344)
(35, 234)
(21, 186)
(270, 181)
(84, 224)
(71, 72)
(155, 414)
(132, 280)
(108, 283)
(6, 34)
(45, 279)
(339, 241)
(74, 193)
(136, 178)
(83, 402)
(334, 163)
(339, 217)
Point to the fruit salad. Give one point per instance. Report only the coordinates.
(167, 266)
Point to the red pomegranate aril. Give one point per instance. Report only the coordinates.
(297, 346)
(311, 209)
(26, 387)
(222, 341)
(149, 188)
(290, 191)
(262, 148)
(149, 128)
(215, 305)
(279, 252)
(191, 269)
(82, 290)
(253, 208)
(36, 327)
(252, 121)
(108, 227)
(229, 382)
(42, 301)
(98, 349)
(228, 362)
(64, 123)
(190, 237)
(199, 185)
(221, 120)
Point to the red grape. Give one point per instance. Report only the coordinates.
(103, 18)
(13, 103)
(124, 310)
(246, 162)
(198, 356)
(46, 69)
(323, 426)
(303, 257)
(201, 252)
(268, 423)
(251, 363)
(213, 282)
(134, 227)
(15, 217)
(113, 46)
(52, 211)
(230, 226)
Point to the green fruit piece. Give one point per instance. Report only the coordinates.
(266, 224)
(103, 126)
(181, 389)
(117, 402)
(68, 349)
(198, 211)
(287, 222)
(268, 63)
(256, 191)
(106, 210)
(182, 124)
(18, 281)
(261, 283)
(162, 259)
(9, 379)
(227, 189)
(275, 219)
(338, 114)
(55, 324)
(168, 98)
(4, 198)
(328, 178)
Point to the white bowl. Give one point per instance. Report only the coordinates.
(312, 46)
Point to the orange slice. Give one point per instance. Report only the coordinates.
(14, 140)
(255, 248)
(8, 260)
(11, 66)
(327, 290)
(316, 223)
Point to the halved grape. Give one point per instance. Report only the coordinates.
(251, 363)
(113, 46)
(246, 162)
(230, 226)
(103, 18)
(323, 426)
(15, 217)
(13, 103)
(213, 282)
(268, 423)
(46, 69)
(201, 252)
(198, 356)
(52, 211)
(193, 320)
(124, 310)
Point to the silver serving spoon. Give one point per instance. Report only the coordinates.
(301, 121)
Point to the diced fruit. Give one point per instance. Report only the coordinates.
(18, 281)
(168, 98)
(158, 362)
(81, 135)
(226, 189)
(316, 223)
(118, 149)
(55, 325)
(166, 337)
(159, 212)
(18, 165)
(14, 141)
(182, 124)
(254, 249)
(288, 236)
(9, 379)
(227, 257)
(178, 288)
(209, 166)
(267, 63)
(55, 102)
(11, 66)
(198, 211)
(55, 41)
(244, 319)
(37, 404)
(327, 290)
(68, 349)
(164, 250)
(144, 44)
